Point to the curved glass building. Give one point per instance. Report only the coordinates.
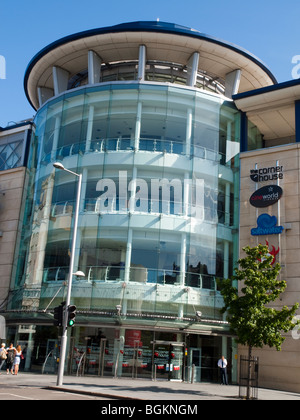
(144, 112)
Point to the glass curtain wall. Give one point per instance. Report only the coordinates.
(158, 201)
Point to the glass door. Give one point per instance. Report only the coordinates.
(176, 361)
(168, 360)
(195, 365)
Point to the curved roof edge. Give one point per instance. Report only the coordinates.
(145, 26)
(267, 89)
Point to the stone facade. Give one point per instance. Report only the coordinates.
(277, 369)
(11, 193)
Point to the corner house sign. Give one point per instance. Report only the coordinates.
(266, 196)
(266, 174)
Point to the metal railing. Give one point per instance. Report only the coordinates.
(111, 273)
(52, 366)
(154, 207)
(81, 365)
(248, 378)
(127, 144)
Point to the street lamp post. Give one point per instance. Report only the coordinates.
(63, 345)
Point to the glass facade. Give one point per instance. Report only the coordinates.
(158, 202)
(157, 224)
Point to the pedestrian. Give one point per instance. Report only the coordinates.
(23, 357)
(10, 352)
(3, 356)
(17, 360)
(222, 364)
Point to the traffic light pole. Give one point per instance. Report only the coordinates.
(64, 337)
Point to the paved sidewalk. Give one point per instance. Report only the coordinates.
(138, 389)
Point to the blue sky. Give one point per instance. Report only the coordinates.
(269, 29)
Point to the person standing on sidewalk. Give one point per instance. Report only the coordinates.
(17, 360)
(2, 356)
(222, 364)
(10, 352)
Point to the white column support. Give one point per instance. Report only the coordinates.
(232, 146)
(189, 126)
(192, 68)
(132, 190)
(180, 310)
(44, 94)
(77, 252)
(128, 256)
(60, 80)
(229, 131)
(89, 130)
(232, 83)
(226, 260)
(83, 189)
(183, 259)
(229, 143)
(186, 194)
(123, 196)
(227, 204)
(142, 63)
(55, 137)
(138, 123)
(94, 67)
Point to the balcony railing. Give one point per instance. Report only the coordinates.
(127, 144)
(93, 205)
(142, 275)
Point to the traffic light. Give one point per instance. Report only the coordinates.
(71, 315)
(58, 315)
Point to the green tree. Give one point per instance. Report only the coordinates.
(252, 318)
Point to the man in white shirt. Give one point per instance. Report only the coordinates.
(222, 364)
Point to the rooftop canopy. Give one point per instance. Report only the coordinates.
(164, 42)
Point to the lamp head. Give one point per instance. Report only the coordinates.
(79, 274)
(58, 165)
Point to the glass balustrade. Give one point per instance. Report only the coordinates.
(127, 144)
(94, 205)
(142, 275)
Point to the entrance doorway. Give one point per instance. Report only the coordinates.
(195, 365)
(168, 360)
(140, 354)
